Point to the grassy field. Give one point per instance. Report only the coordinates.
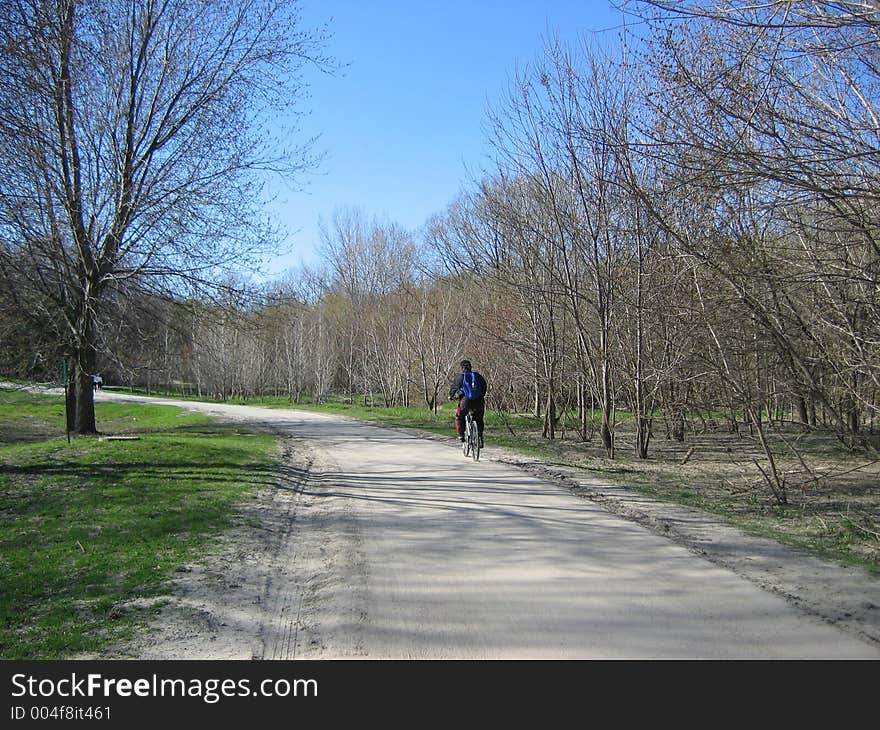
(92, 531)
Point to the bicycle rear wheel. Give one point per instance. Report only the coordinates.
(474, 438)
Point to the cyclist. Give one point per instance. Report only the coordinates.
(469, 387)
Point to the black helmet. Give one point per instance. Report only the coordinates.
(466, 364)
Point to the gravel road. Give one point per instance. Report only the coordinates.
(384, 543)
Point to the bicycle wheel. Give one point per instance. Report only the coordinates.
(474, 438)
(466, 444)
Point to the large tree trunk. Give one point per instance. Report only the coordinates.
(84, 419)
(85, 364)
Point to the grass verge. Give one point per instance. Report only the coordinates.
(92, 532)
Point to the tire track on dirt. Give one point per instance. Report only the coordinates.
(334, 595)
(316, 577)
(265, 590)
(279, 632)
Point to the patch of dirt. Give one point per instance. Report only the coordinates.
(26, 429)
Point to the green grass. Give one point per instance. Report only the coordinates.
(91, 532)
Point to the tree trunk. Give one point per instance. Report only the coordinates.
(607, 432)
(853, 417)
(643, 436)
(678, 425)
(84, 398)
(85, 363)
(550, 417)
(803, 414)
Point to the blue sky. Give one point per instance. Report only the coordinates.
(402, 125)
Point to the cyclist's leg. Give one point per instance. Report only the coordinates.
(479, 413)
(459, 418)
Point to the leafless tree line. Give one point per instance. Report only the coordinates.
(370, 324)
(698, 217)
(682, 234)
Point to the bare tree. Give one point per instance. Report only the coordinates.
(368, 263)
(557, 130)
(433, 334)
(129, 143)
(771, 109)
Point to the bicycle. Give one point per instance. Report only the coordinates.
(471, 444)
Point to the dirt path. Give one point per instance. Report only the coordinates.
(382, 543)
